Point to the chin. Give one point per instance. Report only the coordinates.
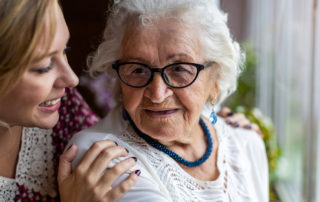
(161, 133)
(48, 122)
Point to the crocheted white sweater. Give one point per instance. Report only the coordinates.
(35, 169)
(241, 161)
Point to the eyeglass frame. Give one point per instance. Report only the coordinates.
(199, 67)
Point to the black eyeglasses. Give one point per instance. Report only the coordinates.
(176, 75)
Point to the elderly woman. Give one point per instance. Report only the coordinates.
(174, 60)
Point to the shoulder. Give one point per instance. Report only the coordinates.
(108, 128)
(247, 140)
(247, 151)
(248, 144)
(250, 138)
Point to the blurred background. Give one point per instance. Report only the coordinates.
(279, 90)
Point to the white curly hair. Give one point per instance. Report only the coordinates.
(214, 35)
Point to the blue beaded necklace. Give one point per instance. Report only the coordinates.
(169, 152)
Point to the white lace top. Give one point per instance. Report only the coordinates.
(241, 161)
(34, 169)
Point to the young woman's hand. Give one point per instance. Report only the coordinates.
(90, 181)
(238, 120)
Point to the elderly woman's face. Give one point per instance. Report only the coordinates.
(163, 112)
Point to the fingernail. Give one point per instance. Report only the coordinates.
(137, 172)
(230, 114)
(115, 143)
(228, 121)
(248, 126)
(135, 159)
(236, 124)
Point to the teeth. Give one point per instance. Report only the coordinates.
(50, 102)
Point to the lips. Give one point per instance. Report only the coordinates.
(164, 113)
(50, 106)
(50, 102)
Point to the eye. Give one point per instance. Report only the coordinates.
(134, 70)
(179, 69)
(138, 70)
(42, 70)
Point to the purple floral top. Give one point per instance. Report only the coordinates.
(40, 150)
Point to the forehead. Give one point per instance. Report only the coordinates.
(165, 37)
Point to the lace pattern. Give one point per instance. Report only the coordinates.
(8, 189)
(231, 185)
(35, 170)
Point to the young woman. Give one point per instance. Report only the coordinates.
(36, 84)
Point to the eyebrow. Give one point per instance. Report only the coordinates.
(179, 55)
(170, 57)
(136, 59)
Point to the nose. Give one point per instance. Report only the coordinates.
(66, 78)
(157, 91)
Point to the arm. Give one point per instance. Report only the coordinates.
(144, 190)
(259, 177)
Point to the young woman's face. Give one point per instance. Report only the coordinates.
(34, 102)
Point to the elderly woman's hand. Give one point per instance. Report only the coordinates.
(90, 181)
(238, 120)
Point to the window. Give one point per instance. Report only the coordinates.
(286, 35)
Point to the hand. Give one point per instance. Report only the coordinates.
(90, 181)
(238, 120)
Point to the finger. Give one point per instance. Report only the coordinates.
(116, 192)
(101, 163)
(235, 119)
(64, 169)
(244, 123)
(112, 174)
(225, 112)
(93, 152)
(256, 128)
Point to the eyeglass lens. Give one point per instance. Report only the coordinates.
(176, 75)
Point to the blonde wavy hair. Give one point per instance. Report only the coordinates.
(22, 24)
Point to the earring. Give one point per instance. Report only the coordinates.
(213, 115)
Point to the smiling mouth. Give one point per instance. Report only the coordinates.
(161, 113)
(50, 102)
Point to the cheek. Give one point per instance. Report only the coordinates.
(193, 99)
(131, 97)
(31, 93)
